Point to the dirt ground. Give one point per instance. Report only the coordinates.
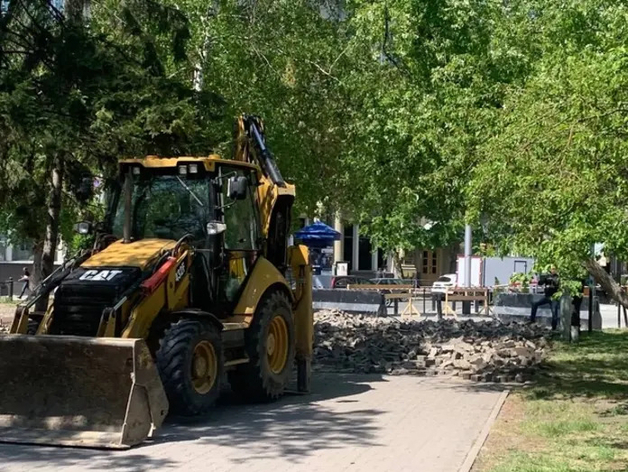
(501, 440)
(573, 418)
(7, 310)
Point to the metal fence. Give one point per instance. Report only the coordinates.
(6, 288)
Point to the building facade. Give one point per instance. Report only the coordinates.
(362, 258)
(15, 256)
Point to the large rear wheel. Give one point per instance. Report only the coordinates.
(270, 344)
(190, 363)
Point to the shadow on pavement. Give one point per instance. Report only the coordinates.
(34, 456)
(458, 384)
(296, 426)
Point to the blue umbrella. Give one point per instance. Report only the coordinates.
(318, 234)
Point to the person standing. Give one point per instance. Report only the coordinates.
(551, 282)
(26, 278)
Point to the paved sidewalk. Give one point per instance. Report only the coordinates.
(350, 423)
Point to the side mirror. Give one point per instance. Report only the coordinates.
(237, 187)
(84, 227)
(215, 227)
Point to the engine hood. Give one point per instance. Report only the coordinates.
(135, 254)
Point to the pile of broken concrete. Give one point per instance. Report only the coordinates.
(489, 351)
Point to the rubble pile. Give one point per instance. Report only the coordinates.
(4, 326)
(480, 351)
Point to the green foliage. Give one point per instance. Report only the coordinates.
(552, 175)
(521, 278)
(77, 98)
(280, 60)
(431, 76)
(411, 117)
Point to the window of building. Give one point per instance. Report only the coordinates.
(365, 257)
(23, 251)
(3, 248)
(408, 258)
(429, 264)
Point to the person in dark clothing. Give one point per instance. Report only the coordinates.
(26, 278)
(552, 284)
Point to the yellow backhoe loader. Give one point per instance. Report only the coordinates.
(186, 284)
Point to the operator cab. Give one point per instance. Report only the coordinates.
(210, 204)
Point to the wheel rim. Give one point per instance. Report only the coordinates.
(204, 367)
(277, 344)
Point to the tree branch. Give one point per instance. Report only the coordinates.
(611, 287)
(390, 56)
(323, 70)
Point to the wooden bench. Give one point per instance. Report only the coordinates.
(412, 296)
(393, 287)
(461, 294)
(398, 293)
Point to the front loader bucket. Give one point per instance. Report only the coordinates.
(77, 391)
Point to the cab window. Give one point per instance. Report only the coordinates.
(240, 216)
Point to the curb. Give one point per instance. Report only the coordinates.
(479, 442)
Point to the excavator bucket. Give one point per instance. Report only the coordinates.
(77, 391)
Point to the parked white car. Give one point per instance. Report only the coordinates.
(444, 282)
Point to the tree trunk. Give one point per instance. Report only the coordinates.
(203, 53)
(52, 223)
(398, 265)
(78, 10)
(566, 313)
(199, 67)
(38, 250)
(49, 248)
(611, 287)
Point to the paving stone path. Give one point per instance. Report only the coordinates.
(349, 423)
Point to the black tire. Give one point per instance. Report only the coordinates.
(255, 381)
(175, 359)
(33, 325)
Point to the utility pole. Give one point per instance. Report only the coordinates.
(466, 306)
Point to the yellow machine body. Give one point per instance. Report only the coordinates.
(103, 387)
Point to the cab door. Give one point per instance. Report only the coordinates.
(242, 239)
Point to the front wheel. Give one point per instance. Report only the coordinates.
(270, 344)
(190, 364)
